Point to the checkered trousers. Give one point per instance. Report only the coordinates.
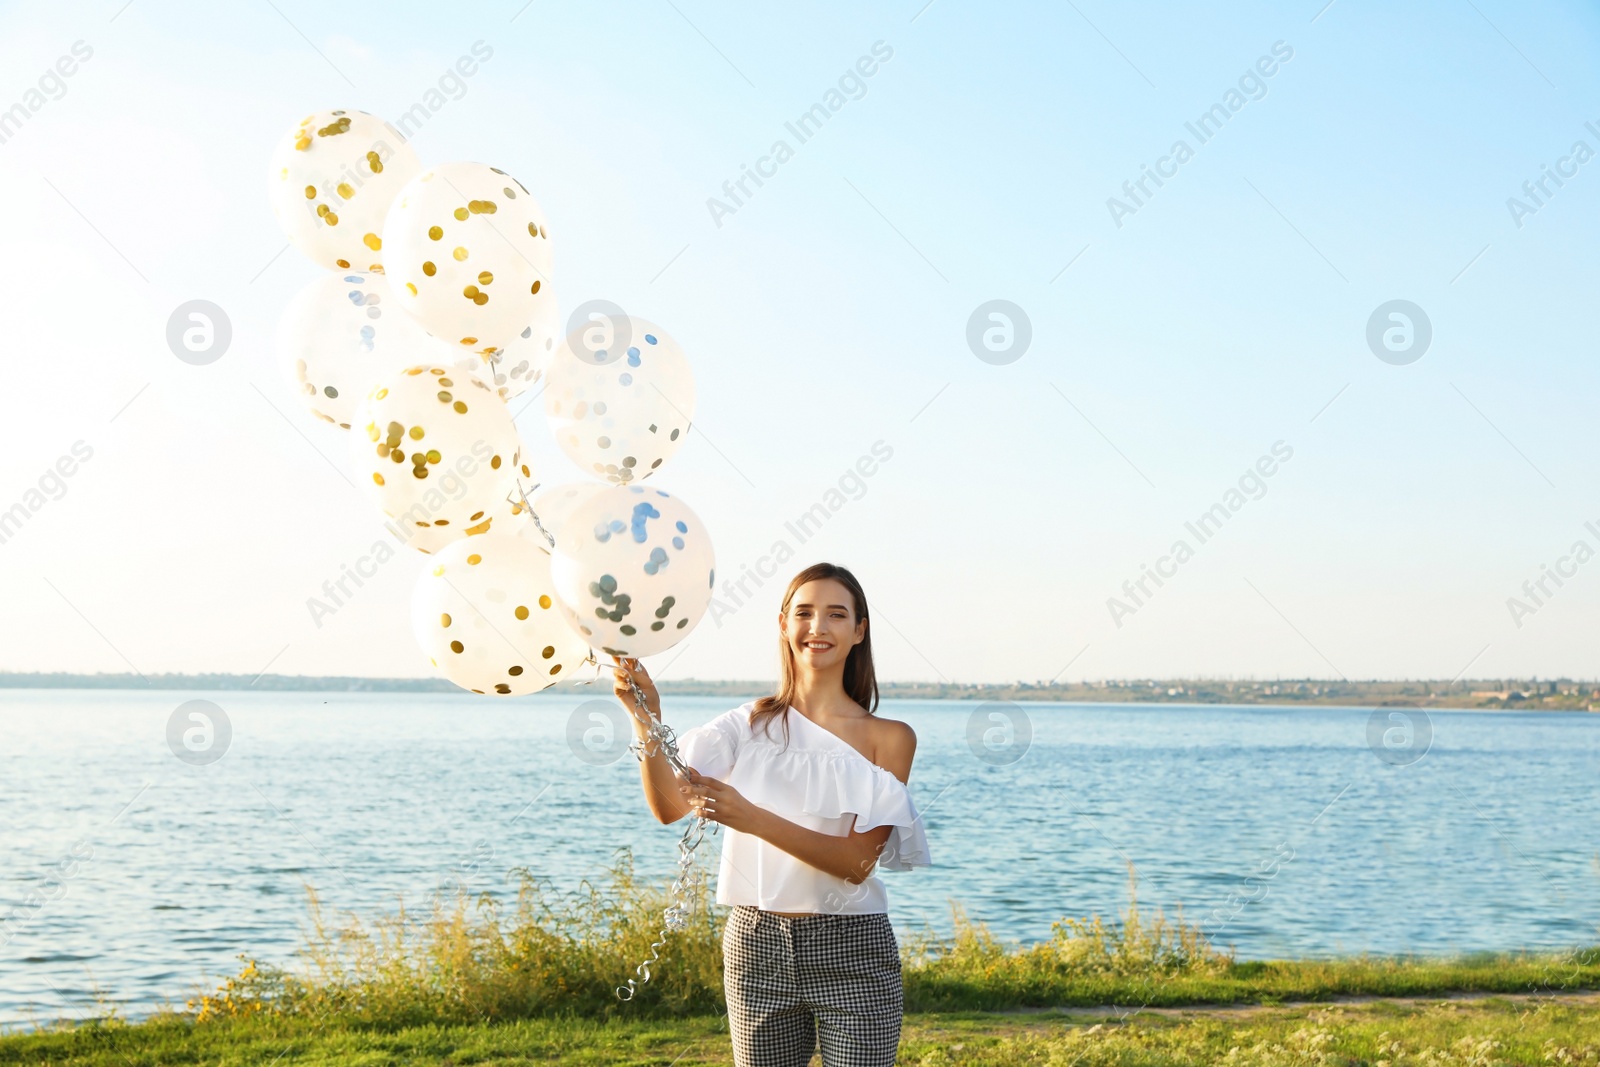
(792, 981)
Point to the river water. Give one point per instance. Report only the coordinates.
(131, 874)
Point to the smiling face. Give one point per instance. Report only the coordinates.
(821, 627)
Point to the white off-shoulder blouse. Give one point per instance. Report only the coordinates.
(818, 781)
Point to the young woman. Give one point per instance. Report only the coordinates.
(808, 953)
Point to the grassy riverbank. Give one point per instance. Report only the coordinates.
(545, 954)
(533, 980)
(1484, 1033)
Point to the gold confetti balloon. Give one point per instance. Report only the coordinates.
(634, 574)
(343, 332)
(620, 407)
(331, 182)
(468, 251)
(485, 614)
(440, 454)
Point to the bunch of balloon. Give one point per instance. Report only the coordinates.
(436, 310)
(439, 309)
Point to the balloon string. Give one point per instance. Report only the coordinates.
(522, 499)
(690, 879)
(493, 360)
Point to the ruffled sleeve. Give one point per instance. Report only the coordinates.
(712, 749)
(853, 784)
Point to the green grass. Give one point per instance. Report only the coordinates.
(1479, 1033)
(532, 980)
(545, 954)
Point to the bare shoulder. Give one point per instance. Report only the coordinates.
(893, 731)
(894, 743)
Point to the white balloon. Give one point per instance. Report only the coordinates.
(620, 411)
(343, 332)
(469, 253)
(485, 614)
(331, 182)
(635, 574)
(440, 453)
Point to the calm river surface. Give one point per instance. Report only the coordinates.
(129, 873)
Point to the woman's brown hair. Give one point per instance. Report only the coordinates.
(860, 679)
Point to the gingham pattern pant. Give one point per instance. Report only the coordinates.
(793, 981)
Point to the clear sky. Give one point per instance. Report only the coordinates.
(1176, 337)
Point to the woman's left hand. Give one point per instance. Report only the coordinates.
(721, 803)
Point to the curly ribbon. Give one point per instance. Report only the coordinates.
(522, 501)
(690, 879)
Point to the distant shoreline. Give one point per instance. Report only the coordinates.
(1561, 694)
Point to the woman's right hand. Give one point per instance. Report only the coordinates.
(631, 668)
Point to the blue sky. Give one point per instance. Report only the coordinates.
(829, 312)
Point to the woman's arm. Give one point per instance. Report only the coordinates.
(663, 791)
(851, 858)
